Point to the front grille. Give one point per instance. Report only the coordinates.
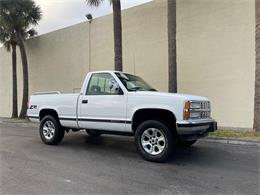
(203, 107)
(204, 114)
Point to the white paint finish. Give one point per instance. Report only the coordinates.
(111, 107)
(64, 104)
(167, 101)
(69, 123)
(105, 126)
(110, 110)
(106, 107)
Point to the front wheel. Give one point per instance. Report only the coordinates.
(155, 141)
(51, 132)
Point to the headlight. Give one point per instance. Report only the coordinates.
(195, 105)
(194, 114)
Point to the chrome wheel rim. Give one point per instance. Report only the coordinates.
(153, 141)
(48, 130)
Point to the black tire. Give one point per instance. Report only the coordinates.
(169, 143)
(58, 134)
(186, 143)
(93, 133)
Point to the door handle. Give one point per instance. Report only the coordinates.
(84, 101)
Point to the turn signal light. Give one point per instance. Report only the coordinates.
(187, 105)
(186, 112)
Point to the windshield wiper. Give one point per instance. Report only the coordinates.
(141, 89)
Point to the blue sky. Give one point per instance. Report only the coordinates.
(58, 14)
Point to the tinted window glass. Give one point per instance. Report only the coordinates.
(102, 84)
(134, 83)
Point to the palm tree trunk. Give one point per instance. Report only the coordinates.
(14, 75)
(117, 35)
(25, 78)
(257, 68)
(172, 82)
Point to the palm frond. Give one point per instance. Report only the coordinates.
(32, 32)
(7, 46)
(94, 3)
(18, 17)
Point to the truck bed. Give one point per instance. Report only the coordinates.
(64, 104)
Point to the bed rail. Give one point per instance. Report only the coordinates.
(47, 93)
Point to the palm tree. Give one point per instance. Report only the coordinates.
(19, 16)
(8, 38)
(257, 68)
(172, 82)
(118, 59)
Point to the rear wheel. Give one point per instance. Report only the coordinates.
(187, 143)
(155, 141)
(93, 133)
(51, 132)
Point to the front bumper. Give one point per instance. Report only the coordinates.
(192, 130)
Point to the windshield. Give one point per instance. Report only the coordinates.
(133, 83)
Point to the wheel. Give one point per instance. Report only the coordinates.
(51, 131)
(93, 133)
(155, 141)
(187, 143)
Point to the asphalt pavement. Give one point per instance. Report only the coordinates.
(111, 165)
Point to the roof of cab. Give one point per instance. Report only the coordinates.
(105, 71)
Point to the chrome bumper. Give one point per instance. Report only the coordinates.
(190, 130)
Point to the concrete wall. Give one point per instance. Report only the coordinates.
(215, 54)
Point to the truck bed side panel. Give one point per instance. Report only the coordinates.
(64, 104)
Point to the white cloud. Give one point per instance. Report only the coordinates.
(62, 13)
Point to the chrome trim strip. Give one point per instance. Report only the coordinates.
(193, 122)
(199, 110)
(199, 101)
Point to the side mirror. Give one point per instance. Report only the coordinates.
(120, 91)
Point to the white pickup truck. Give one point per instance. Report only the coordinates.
(113, 102)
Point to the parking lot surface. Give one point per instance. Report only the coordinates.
(111, 165)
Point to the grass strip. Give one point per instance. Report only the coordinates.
(236, 134)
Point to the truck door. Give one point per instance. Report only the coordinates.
(103, 106)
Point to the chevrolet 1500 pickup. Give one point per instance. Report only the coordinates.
(112, 102)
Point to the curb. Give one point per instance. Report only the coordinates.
(13, 123)
(232, 141)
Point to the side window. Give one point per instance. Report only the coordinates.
(102, 84)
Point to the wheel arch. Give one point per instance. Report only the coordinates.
(160, 114)
(48, 111)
